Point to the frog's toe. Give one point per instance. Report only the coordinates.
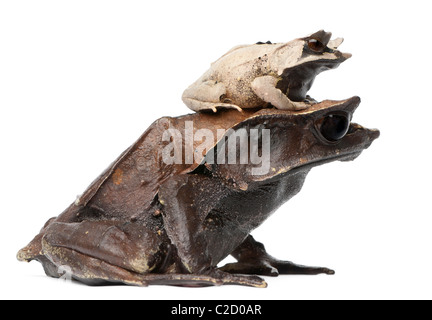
(273, 268)
(238, 279)
(310, 100)
(298, 106)
(288, 267)
(261, 268)
(245, 280)
(230, 106)
(198, 106)
(213, 277)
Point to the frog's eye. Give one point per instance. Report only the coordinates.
(316, 45)
(334, 127)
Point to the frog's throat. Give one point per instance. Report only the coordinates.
(295, 82)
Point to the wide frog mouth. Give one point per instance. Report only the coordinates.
(319, 54)
(326, 134)
(359, 137)
(339, 137)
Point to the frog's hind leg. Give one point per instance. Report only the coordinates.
(92, 271)
(253, 259)
(71, 264)
(102, 251)
(207, 95)
(109, 252)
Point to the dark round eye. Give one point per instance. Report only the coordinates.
(334, 127)
(316, 45)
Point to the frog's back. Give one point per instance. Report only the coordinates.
(243, 55)
(130, 185)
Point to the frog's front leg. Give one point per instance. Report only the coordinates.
(253, 259)
(207, 95)
(196, 236)
(265, 88)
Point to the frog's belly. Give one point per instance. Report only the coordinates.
(241, 212)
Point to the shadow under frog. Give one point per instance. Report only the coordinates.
(146, 222)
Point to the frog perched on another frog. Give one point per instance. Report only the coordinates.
(144, 221)
(280, 74)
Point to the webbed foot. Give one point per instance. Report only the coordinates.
(197, 105)
(273, 268)
(212, 277)
(253, 259)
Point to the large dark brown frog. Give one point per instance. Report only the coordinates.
(147, 220)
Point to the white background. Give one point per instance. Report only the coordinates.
(81, 80)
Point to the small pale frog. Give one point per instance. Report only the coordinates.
(253, 76)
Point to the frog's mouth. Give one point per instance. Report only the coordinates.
(339, 138)
(319, 54)
(297, 81)
(359, 137)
